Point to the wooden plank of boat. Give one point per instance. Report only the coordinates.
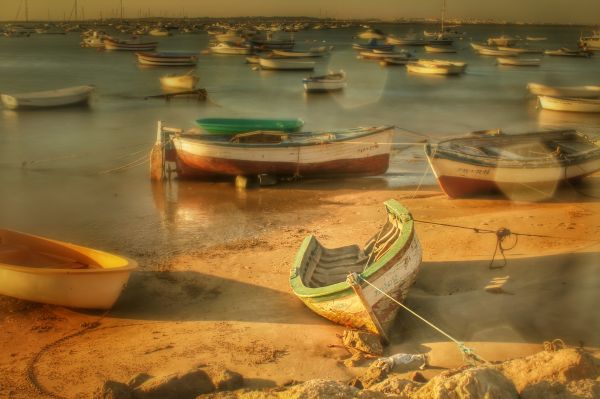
(50, 98)
(58, 273)
(570, 104)
(285, 64)
(519, 61)
(471, 165)
(234, 126)
(360, 151)
(389, 261)
(588, 91)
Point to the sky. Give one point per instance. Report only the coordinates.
(545, 11)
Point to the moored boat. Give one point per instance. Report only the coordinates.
(372, 45)
(436, 67)
(186, 81)
(285, 64)
(389, 261)
(565, 52)
(230, 49)
(167, 58)
(493, 161)
(522, 50)
(439, 49)
(514, 61)
(408, 40)
(496, 53)
(58, 273)
(502, 40)
(331, 82)
(243, 125)
(128, 45)
(570, 104)
(298, 54)
(360, 151)
(49, 98)
(588, 91)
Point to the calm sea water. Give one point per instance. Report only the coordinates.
(54, 163)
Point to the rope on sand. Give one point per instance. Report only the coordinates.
(501, 235)
(469, 354)
(31, 371)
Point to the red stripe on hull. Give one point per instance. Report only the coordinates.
(189, 165)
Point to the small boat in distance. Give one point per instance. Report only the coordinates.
(410, 39)
(230, 49)
(286, 64)
(436, 67)
(439, 49)
(502, 40)
(331, 82)
(42, 270)
(186, 81)
(234, 126)
(49, 98)
(492, 161)
(167, 58)
(128, 45)
(494, 52)
(514, 61)
(588, 105)
(536, 38)
(390, 261)
(565, 52)
(539, 89)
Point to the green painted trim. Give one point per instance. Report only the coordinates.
(338, 290)
(243, 125)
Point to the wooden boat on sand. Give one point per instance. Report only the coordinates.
(390, 261)
(58, 273)
(570, 104)
(49, 98)
(359, 151)
(493, 161)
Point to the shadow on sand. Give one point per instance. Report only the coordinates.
(542, 298)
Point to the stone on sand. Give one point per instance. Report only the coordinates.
(581, 389)
(224, 379)
(318, 389)
(138, 380)
(396, 385)
(362, 341)
(181, 385)
(473, 383)
(112, 390)
(563, 366)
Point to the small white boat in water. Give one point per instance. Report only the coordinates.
(230, 49)
(440, 49)
(589, 91)
(514, 61)
(159, 32)
(167, 58)
(187, 81)
(286, 64)
(128, 45)
(59, 273)
(503, 40)
(436, 67)
(570, 104)
(565, 52)
(522, 50)
(497, 53)
(49, 98)
(331, 82)
(536, 38)
(380, 55)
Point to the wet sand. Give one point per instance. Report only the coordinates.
(230, 304)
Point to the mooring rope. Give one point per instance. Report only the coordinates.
(137, 162)
(469, 354)
(501, 235)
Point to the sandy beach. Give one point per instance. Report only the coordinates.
(230, 304)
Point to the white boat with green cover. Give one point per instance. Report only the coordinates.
(390, 261)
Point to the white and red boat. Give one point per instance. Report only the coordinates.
(359, 151)
(493, 161)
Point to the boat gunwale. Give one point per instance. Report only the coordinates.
(195, 138)
(343, 288)
(128, 266)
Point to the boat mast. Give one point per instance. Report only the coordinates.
(26, 12)
(443, 15)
